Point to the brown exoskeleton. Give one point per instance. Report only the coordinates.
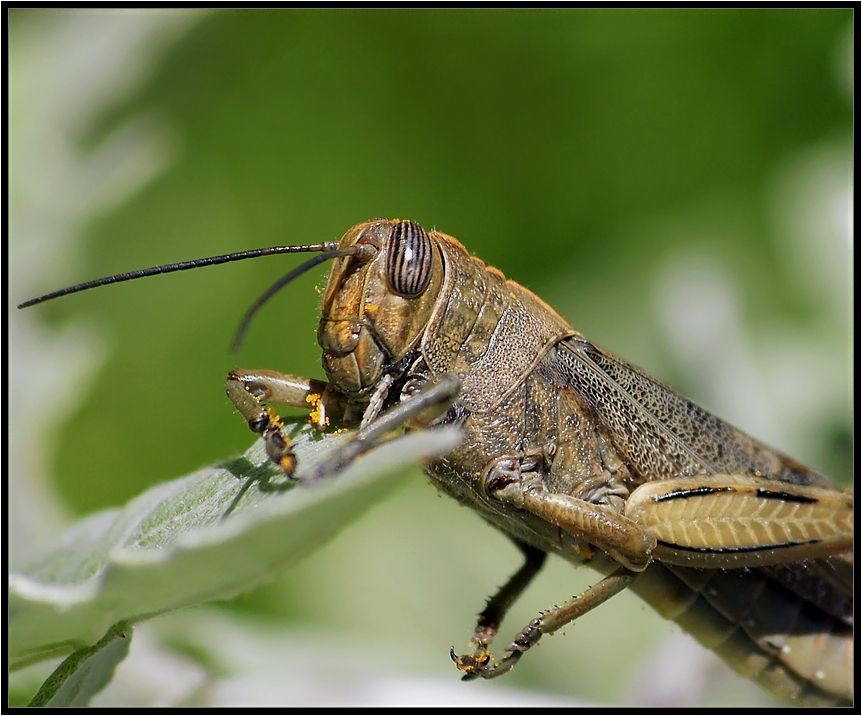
(571, 450)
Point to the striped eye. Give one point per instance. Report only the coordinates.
(408, 262)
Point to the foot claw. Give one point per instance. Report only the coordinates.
(471, 665)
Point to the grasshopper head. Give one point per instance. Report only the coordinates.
(377, 303)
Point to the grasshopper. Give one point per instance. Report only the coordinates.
(569, 450)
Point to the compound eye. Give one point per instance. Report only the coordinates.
(409, 259)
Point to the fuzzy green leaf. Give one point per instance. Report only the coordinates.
(85, 672)
(210, 535)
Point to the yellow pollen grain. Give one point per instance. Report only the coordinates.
(315, 400)
(273, 418)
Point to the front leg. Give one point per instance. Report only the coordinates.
(250, 390)
(433, 398)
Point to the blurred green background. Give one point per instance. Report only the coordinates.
(675, 183)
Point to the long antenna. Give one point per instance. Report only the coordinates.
(326, 247)
(360, 251)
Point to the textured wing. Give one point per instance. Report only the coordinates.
(658, 431)
(787, 626)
